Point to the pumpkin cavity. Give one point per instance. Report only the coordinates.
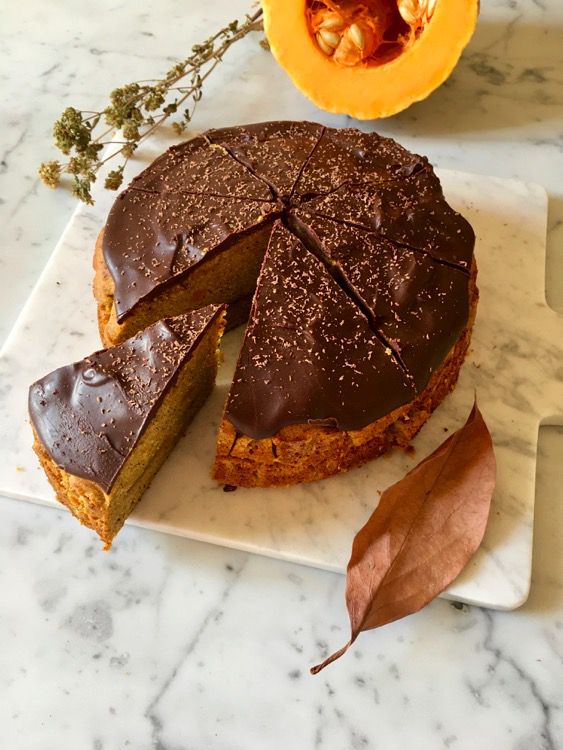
(367, 33)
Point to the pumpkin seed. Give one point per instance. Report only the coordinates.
(430, 8)
(327, 49)
(331, 38)
(357, 35)
(411, 10)
(332, 22)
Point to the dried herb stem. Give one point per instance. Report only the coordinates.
(135, 111)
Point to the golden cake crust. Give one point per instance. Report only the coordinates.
(103, 288)
(84, 499)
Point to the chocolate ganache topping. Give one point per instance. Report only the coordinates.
(350, 156)
(91, 414)
(366, 235)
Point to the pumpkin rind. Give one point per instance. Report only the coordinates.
(368, 92)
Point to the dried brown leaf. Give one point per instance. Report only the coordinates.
(423, 533)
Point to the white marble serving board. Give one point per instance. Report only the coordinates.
(515, 366)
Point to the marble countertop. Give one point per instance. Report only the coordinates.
(169, 644)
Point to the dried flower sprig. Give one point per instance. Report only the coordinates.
(135, 111)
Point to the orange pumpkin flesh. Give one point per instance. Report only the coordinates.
(368, 58)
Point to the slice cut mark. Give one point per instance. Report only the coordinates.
(418, 305)
(411, 212)
(305, 164)
(422, 251)
(195, 167)
(350, 156)
(247, 166)
(207, 194)
(263, 149)
(313, 244)
(320, 194)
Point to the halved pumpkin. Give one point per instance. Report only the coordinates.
(368, 58)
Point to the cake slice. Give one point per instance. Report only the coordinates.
(163, 254)
(315, 390)
(105, 425)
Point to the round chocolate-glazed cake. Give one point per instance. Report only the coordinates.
(360, 280)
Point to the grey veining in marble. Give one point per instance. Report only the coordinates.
(170, 644)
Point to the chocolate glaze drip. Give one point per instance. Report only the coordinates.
(90, 415)
(374, 219)
(309, 355)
